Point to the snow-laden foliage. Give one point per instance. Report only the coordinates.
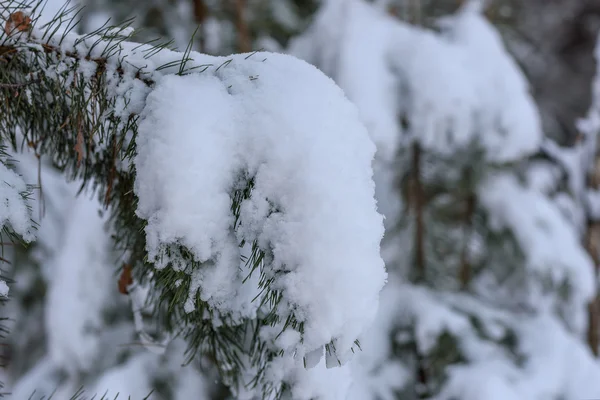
(351, 39)
(476, 91)
(452, 116)
(239, 189)
(265, 250)
(15, 215)
(310, 209)
(16, 223)
(81, 331)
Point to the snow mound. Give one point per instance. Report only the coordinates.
(281, 123)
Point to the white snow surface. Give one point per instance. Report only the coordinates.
(81, 276)
(351, 41)
(477, 92)
(286, 124)
(132, 379)
(455, 86)
(13, 207)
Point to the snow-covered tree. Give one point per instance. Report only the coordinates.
(238, 193)
(241, 206)
(492, 301)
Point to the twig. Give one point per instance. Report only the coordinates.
(593, 336)
(111, 175)
(200, 14)
(465, 265)
(17, 85)
(244, 45)
(419, 200)
(41, 188)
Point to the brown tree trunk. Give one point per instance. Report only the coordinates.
(200, 14)
(592, 243)
(465, 272)
(244, 42)
(418, 200)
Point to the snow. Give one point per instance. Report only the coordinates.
(3, 289)
(456, 87)
(477, 93)
(130, 380)
(551, 244)
(361, 37)
(76, 263)
(375, 375)
(384, 66)
(40, 380)
(15, 213)
(312, 206)
(312, 156)
(13, 207)
(557, 365)
(74, 308)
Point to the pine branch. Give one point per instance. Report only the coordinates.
(71, 98)
(92, 139)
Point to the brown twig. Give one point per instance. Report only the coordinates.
(40, 187)
(111, 175)
(592, 239)
(126, 279)
(244, 45)
(592, 333)
(79, 144)
(200, 15)
(419, 207)
(17, 85)
(4, 260)
(415, 13)
(465, 266)
(34, 145)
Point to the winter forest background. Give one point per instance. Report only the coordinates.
(206, 228)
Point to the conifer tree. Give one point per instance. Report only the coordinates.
(497, 273)
(248, 252)
(490, 226)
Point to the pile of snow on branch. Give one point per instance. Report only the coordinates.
(281, 123)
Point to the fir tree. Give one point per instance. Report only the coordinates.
(491, 293)
(471, 194)
(92, 103)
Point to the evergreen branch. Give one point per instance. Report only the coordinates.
(75, 105)
(16, 85)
